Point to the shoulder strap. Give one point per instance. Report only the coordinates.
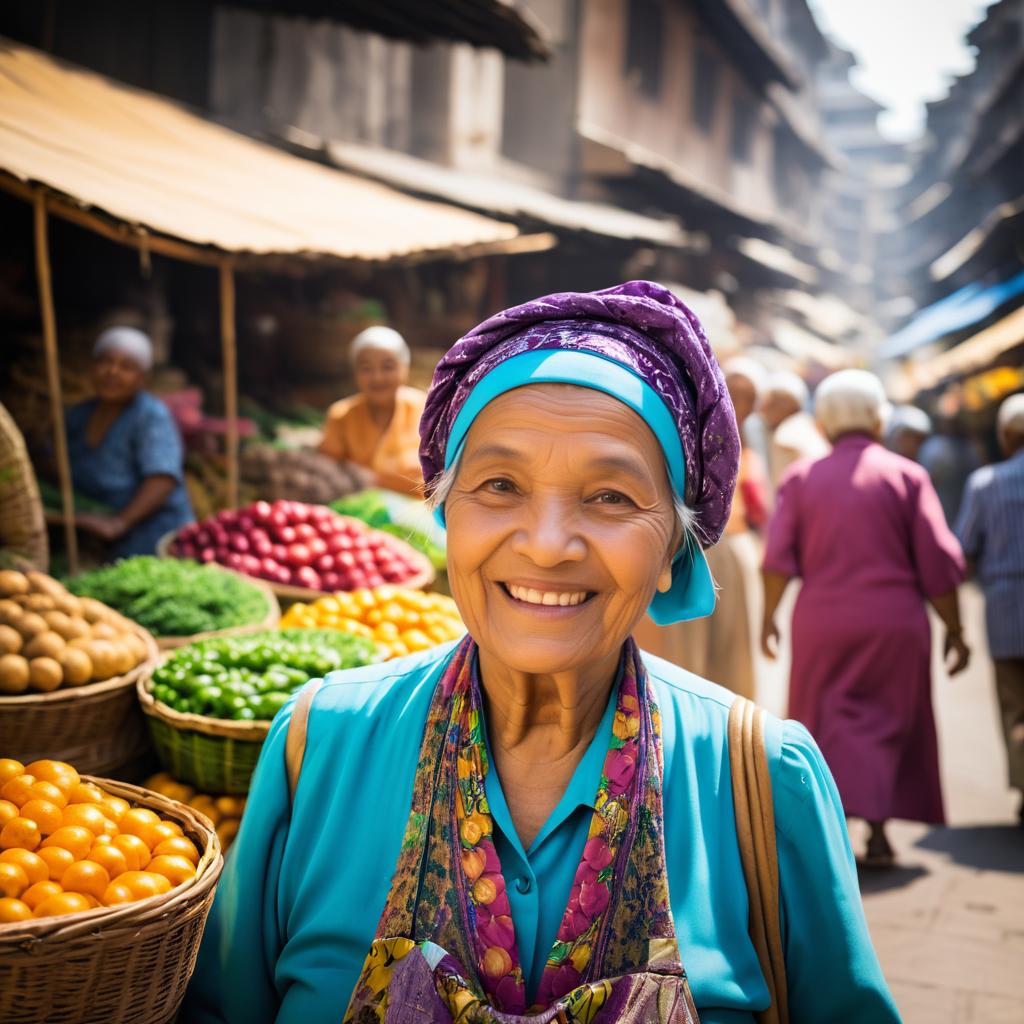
(295, 741)
(755, 830)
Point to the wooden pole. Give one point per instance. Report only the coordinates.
(60, 439)
(229, 354)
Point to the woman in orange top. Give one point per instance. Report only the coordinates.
(378, 428)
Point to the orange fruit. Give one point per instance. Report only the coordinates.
(88, 816)
(57, 861)
(62, 775)
(116, 893)
(110, 857)
(86, 877)
(114, 808)
(74, 838)
(179, 846)
(7, 811)
(135, 851)
(145, 883)
(138, 821)
(31, 863)
(85, 793)
(19, 789)
(9, 769)
(48, 791)
(12, 910)
(174, 868)
(35, 894)
(22, 832)
(13, 880)
(45, 814)
(63, 903)
(161, 831)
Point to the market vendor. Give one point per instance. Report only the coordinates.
(125, 449)
(378, 428)
(538, 819)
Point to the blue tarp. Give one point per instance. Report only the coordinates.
(964, 308)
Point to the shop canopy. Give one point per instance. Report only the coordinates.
(142, 161)
(964, 308)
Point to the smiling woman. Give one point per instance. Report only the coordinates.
(532, 824)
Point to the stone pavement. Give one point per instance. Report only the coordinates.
(948, 922)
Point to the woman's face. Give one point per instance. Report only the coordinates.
(116, 377)
(560, 527)
(379, 374)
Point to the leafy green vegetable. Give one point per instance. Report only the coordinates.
(369, 506)
(173, 597)
(251, 677)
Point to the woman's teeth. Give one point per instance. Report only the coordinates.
(549, 597)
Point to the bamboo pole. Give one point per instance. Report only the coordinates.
(43, 277)
(229, 354)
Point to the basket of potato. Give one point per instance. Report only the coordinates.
(68, 668)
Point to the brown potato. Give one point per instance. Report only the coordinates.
(78, 628)
(30, 624)
(10, 612)
(14, 674)
(10, 640)
(77, 666)
(70, 605)
(103, 631)
(137, 645)
(40, 603)
(43, 584)
(93, 610)
(104, 659)
(45, 674)
(124, 660)
(58, 622)
(45, 645)
(12, 582)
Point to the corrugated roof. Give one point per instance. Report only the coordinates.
(495, 194)
(148, 162)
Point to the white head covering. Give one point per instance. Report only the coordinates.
(749, 369)
(129, 341)
(380, 337)
(909, 417)
(785, 382)
(850, 400)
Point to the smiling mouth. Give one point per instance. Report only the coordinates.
(547, 598)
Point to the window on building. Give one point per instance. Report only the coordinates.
(744, 124)
(706, 73)
(644, 37)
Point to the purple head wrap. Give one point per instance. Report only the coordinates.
(639, 324)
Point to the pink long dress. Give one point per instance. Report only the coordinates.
(864, 530)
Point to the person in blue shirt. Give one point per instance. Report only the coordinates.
(125, 449)
(537, 822)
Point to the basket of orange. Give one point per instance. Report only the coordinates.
(104, 893)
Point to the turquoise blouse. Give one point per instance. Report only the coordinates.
(299, 901)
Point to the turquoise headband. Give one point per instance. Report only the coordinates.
(692, 594)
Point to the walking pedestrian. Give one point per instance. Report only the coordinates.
(907, 430)
(793, 433)
(991, 529)
(864, 531)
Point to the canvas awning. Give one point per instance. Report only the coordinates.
(806, 347)
(776, 258)
(154, 166)
(498, 195)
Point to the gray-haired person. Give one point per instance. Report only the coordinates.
(991, 530)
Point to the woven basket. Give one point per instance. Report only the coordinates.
(215, 755)
(269, 620)
(96, 727)
(114, 965)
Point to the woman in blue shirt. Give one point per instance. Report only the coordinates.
(125, 449)
(537, 822)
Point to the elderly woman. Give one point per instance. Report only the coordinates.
(125, 449)
(536, 823)
(378, 429)
(864, 531)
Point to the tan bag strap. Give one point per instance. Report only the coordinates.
(755, 830)
(295, 741)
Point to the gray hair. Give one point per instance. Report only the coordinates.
(851, 400)
(749, 369)
(785, 382)
(441, 487)
(129, 341)
(908, 418)
(1010, 418)
(386, 339)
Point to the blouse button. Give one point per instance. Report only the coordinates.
(523, 885)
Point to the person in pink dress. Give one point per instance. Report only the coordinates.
(864, 531)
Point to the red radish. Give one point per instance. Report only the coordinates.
(308, 577)
(305, 531)
(317, 547)
(287, 535)
(239, 542)
(331, 581)
(298, 555)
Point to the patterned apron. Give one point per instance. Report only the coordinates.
(445, 947)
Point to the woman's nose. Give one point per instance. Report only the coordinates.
(548, 536)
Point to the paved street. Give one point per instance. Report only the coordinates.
(948, 923)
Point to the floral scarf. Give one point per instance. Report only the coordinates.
(446, 949)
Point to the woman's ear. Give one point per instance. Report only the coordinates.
(665, 579)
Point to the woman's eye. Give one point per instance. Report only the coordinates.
(499, 485)
(611, 498)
